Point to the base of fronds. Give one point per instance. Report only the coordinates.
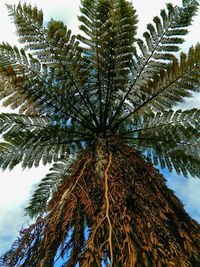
(131, 218)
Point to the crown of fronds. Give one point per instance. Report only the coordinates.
(70, 90)
(78, 96)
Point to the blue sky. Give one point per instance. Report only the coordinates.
(17, 186)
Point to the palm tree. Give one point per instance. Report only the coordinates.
(98, 106)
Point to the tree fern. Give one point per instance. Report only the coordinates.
(99, 106)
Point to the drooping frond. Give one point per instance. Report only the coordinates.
(66, 208)
(15, 122)
(13, 153)
(161, 121)
(11, 123)
(170, 139)
(182, 158)
(109, 29)
(161, 43)
(30, 140)
(48, 185)
(26, 83)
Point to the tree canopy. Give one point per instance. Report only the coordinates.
(92, 105)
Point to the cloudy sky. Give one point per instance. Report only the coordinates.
(17, 186)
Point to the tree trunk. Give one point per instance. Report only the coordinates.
(132, 218)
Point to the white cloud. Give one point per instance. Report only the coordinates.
(15, 190)
(11, 220)
(188, 190)
(16, 186)
(191, 102)
(7, 31)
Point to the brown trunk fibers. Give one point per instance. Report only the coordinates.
(133, 219)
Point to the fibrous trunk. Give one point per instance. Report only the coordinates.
(114, 208)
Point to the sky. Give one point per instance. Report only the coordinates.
(17, 186)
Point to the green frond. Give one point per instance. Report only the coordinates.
(170, 87)
(22, 80)
(53, 45)
(32, 144)
(34, 88)
(164, 36)
(182, 158)
(168, 138)
(11, 124)
(109, 32)
(47, 187)
(58, 50)
(9, 156)
(13, 154)
(167, 88)
(32, 14)
(162, 121)
(16, 123)
(152, 54)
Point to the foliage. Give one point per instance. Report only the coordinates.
(99, 107)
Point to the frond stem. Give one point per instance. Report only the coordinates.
(161, 140)
(154, 126)
(139, 74)
(152, 97)
(88, 105)
(47, 128)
